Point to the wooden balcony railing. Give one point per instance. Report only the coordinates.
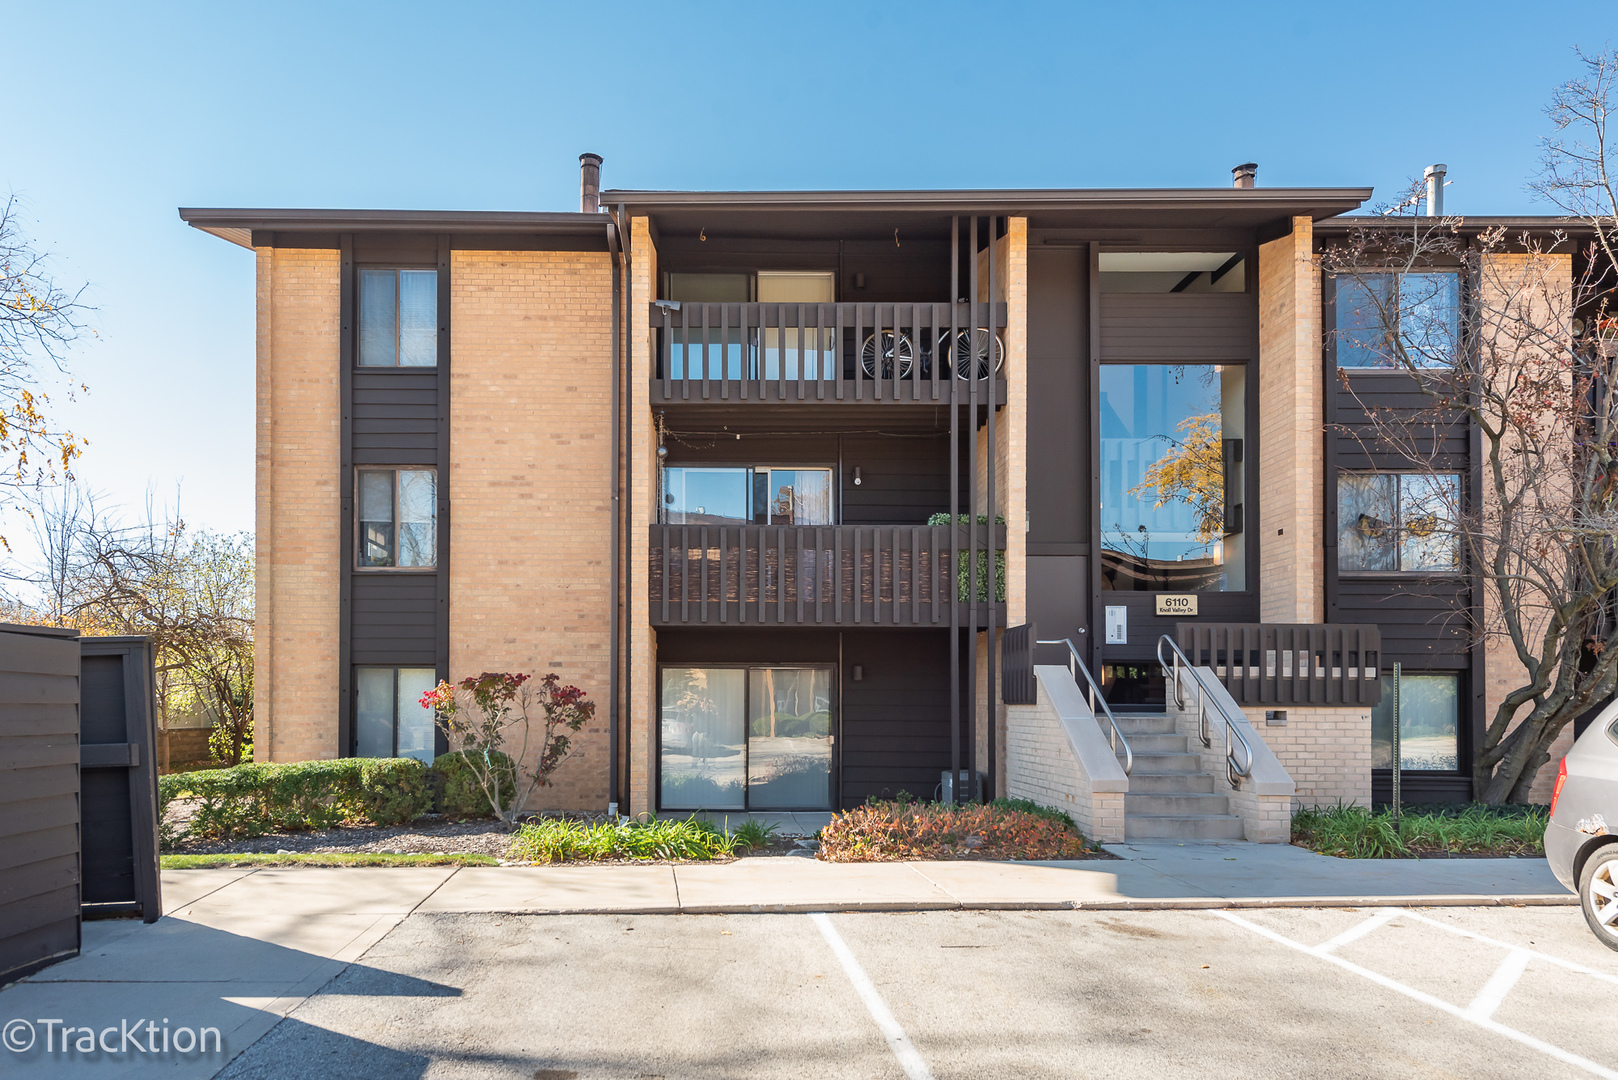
(826, 575)
(1289, 664)
(840, 353)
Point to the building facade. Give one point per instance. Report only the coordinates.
(793, 484)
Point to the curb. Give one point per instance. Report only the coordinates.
(1210, 903)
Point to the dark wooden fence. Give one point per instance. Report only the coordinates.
(1018, 686)
(804, 575)
(847, 353)
(118, 774)
(1289, 664)
(39, 798)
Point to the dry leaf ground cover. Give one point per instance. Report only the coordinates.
(1003, 829)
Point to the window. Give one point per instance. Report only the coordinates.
(1429, 715)
(398, 318)
(1172, 477)
(389, 720)
(1423, 310)
(742, 495)
(769, 352)
(398, 518)
(746, 738)
(1398, 522)
(1173, 272)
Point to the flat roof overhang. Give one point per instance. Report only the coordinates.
(237, 225)
(875, 214)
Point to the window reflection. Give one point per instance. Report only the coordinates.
(739, 495)
(1171, 477)
(1429, 710)
(1379, 316)
(1398, 522)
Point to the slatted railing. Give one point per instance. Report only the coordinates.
(1289, 663)
(845, 353)
(808, 575)
(1019, 685)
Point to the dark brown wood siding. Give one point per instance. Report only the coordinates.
(395, 418)
(39, 800)
(395, 619)
(1152, 326)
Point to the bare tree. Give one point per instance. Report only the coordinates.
(39, 320)
(1512, 335)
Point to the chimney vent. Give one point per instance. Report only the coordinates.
(1435, 189)
(1245, 175)
(589, 183)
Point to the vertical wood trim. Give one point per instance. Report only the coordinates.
(347, 308)
(1093, 362)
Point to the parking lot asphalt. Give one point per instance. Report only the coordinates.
(1452, 992)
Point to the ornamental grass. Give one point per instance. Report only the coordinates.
(1356, 832)
(899, 831)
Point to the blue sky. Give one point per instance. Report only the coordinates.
(121, 113)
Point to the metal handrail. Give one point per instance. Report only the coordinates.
(1236, 773)
(1075, 665)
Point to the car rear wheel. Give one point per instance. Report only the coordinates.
(1598, 895)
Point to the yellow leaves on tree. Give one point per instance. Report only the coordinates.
(1192, 472)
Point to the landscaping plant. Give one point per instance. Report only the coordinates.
(1357, 832)
(255, 799)
(892, 831)
(553, 840)
(489, 721)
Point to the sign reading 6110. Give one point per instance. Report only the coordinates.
(1176, 604)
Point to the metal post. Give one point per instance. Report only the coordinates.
(1397, 800)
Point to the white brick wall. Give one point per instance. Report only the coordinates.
(1041, 766)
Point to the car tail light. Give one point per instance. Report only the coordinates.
(1556, 792)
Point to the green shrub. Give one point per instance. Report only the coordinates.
(1357, 832)
(552, 840)
(1028, 806)
(461, 795)
(254, 799)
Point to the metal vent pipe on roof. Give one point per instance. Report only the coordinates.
(589, 183)
(1245, 175)
(1435, 189)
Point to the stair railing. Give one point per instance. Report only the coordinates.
(1234, 770)
(1076, 665)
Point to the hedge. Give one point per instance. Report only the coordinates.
(460, 794)
(255, 799)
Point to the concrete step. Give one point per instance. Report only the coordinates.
(1198, 803)
(1166, 763)
(1182, 827)
(1132, 724)
(1156, 744)
(1170, 783)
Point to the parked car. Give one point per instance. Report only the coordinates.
(1580, 846)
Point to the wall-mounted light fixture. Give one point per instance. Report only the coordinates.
(859, 673)
(857, 477)
(859, 281)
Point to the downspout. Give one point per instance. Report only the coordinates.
(623, 441)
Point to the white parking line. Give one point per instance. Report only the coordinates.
(1547, 957)
(909, 1058)
(1484, 1022)
(1499, 985)
(1355, 932)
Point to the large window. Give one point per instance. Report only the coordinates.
(770, 352)
(1429, 723)
(1380, 315)
(1171, 477)
(737, 738)
(398, 318)
(1398, 522)
(389, 720)
(398, 518)
(747, 495)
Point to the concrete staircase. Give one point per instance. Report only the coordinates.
(1170, 797)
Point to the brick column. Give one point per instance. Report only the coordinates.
(1291, 513)
(642, 703)
(299, 511)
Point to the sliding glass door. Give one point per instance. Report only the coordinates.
(738, 738)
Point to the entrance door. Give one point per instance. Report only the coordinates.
(735, 738)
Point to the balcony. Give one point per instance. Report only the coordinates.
(844, 354)
(836, 576)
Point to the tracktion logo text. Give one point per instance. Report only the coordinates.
(143, 1036)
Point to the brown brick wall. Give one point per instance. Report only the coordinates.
(1290, 513)
(298, 505)
(530, 476)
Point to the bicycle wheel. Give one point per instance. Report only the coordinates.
(868, 355)
(965, 355)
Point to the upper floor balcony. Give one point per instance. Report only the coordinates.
(769, 354)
